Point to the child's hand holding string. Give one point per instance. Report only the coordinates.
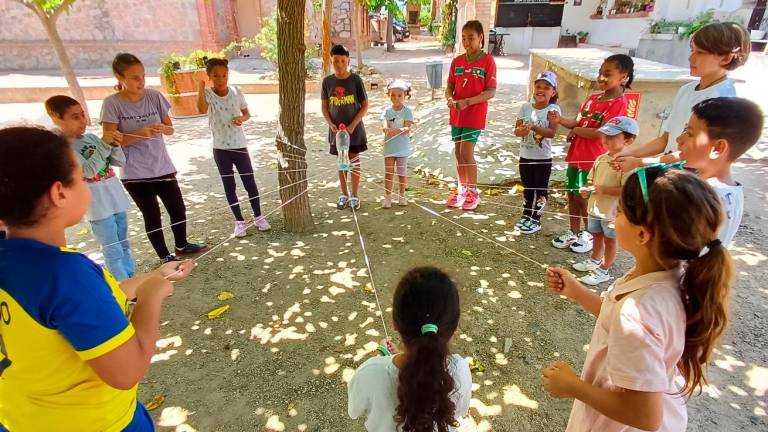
(560, 380)
(553, 117)
(562, 282)
(113, 138)
(175, 271)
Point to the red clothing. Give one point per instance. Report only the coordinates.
(468, 80)
(593, 114)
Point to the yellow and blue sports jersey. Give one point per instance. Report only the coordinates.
(58, 310)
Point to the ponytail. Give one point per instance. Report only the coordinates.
(706, 288)
(424, 386)
(426, 313)
(120, 64)
(553, 99)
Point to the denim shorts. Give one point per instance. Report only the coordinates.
(596, 225)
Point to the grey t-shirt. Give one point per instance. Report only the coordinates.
(147, 158)
(345, 98)
(533, 146)
(398, 146)
(97, 159)
(221, 111)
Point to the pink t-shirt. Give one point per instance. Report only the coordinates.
(637, 342)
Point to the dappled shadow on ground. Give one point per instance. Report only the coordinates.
(302, 313)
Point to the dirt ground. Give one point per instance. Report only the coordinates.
(304, 316)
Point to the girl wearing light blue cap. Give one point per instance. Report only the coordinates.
(422, 388)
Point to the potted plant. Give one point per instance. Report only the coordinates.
(582, 36)
(179, 75)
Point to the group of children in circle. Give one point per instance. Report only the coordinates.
(662, 319)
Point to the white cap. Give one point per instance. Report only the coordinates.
(399, 84)
(618, 125)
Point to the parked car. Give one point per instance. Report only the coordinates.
(400, 30)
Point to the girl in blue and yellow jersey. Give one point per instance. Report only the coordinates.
(71, 352)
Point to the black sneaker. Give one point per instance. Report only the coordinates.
(191, 248)
(170, 258)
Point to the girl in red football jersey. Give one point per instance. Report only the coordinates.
(615, 75)
(471, 83)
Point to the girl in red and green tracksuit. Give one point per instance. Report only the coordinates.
(471, 83)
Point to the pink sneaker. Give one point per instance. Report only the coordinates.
(471, 201)
(457, 199)
(262, 224)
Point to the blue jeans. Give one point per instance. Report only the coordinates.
(596, 225)
(112, 233)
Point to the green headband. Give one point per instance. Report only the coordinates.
(428, 328)
(661, 166)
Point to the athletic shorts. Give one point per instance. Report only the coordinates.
(575, 178)
(465, 134)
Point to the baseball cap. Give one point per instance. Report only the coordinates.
(618, 125)
(549, 77)
(399, 84)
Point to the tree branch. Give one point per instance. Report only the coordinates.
(66, 4)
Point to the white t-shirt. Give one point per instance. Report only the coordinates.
(637, 342)
(221, 111)
(373, 391)
(683, 103)
(534, 146)
(732, 198)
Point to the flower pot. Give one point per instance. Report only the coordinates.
(756, 34)
(184, 97)
(583, 40)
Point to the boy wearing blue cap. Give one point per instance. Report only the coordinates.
(603, 190)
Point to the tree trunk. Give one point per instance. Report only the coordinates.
(292, 178)
(356, 30)
(327, 42)
(49, 24)
(390, 34)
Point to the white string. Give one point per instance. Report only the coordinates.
(432, 212)
(232, 236)
(212, 211)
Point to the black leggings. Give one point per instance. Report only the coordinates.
(241, 160)
(145, 193)
(535, 175)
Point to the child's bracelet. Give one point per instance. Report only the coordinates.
(383, 351)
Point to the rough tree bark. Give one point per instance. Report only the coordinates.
(48, 19)
(327, 43)
(356, 19)
(292, 178)
(390, 33)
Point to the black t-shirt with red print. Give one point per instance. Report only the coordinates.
(345, 98)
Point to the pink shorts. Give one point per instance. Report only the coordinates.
(401, 165)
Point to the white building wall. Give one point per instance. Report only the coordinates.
(626, 32)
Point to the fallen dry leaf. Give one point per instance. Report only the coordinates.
(215, 313)
(225, 295)
(155, 402)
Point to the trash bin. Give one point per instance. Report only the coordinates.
(435, 74)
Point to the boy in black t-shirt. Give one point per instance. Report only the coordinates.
(345, 102)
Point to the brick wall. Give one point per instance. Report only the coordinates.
(95, 30)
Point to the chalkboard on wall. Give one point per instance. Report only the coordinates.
(529, 13)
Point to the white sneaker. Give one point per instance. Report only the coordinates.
(403, 201)
(587, 265)
(564, 240)
(596, 277)
(262, 224)
(583, 244)
(241, 229)
(387, 202)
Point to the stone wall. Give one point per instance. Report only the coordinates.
(95, 30)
